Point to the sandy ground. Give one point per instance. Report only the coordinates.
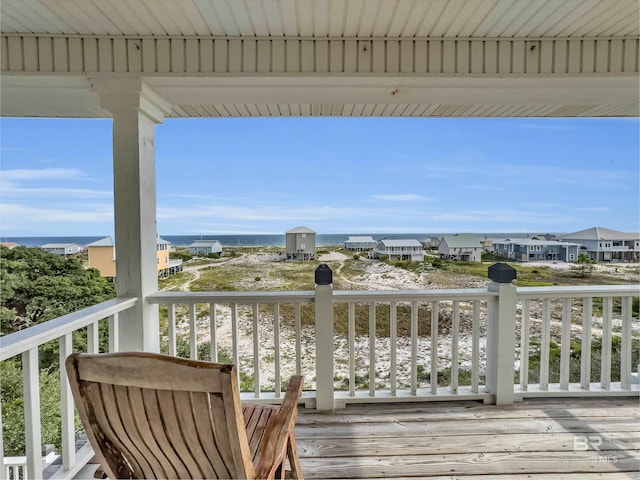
(333, 257)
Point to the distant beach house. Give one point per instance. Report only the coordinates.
(532, 250)
(9, 245)
(102, 256)
(545, 236)
(463, 246)
(431, 242)
(487, 244)
(360, 244)
(300, 244)
(200, 247)
(606, 245)
(64, 249)
(400, 249)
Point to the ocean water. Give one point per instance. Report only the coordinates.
(322, 239)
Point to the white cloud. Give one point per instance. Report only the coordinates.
(405, 197)
(261, 212)
(594, 209)
(42, 174)
(9, 189)
(541, 205)
(24, 184)
(504, 216)
(12, 149)
(24, 215)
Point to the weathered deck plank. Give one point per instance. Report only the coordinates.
(543, 438)
(417, 445)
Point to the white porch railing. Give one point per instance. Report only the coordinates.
(244, 312)
(368, 346)
(570, 311)
(26, 343)
(391, 375)
(446, 330)
(477, 335)
(15, 468)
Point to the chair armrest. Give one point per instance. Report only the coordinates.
(273, 448)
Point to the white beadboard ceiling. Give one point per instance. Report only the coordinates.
(419, 58)
(325, 18)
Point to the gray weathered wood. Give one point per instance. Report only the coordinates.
(155, 416)
(542, 439)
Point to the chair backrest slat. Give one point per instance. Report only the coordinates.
(156, 416)
(207, 429)
(141, 408)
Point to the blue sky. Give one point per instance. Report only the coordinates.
(361, 175)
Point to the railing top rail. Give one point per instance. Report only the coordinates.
(232, 297)
(23, 340)
(578, 291)
(348, 296)
(339, 296)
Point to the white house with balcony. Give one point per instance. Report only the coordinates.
(606, 245)
(360, 243)
(63, 249)
(141, 62)
(206, 247)
(534, 250)
(399, 249)
(462, 246)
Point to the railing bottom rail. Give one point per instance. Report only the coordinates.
(443, 394)
(576, 390)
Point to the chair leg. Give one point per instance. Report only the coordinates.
(292, 455)
(99, 473)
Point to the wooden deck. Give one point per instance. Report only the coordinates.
(544, 438)
(536, 439)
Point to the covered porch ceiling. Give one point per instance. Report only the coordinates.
(261, 58)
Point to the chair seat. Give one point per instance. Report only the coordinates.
(256, 418)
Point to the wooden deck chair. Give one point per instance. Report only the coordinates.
(155, 416)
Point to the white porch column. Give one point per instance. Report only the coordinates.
(136, 110)
(324, 338)
(501, 334)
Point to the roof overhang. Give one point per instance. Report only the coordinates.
(221, 58)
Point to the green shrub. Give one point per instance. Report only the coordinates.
(13, 408)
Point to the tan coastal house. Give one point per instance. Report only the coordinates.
(102, 256)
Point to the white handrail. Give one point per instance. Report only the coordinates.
(24, 340)
(230, 297)
(578, 291)
(366, 296)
